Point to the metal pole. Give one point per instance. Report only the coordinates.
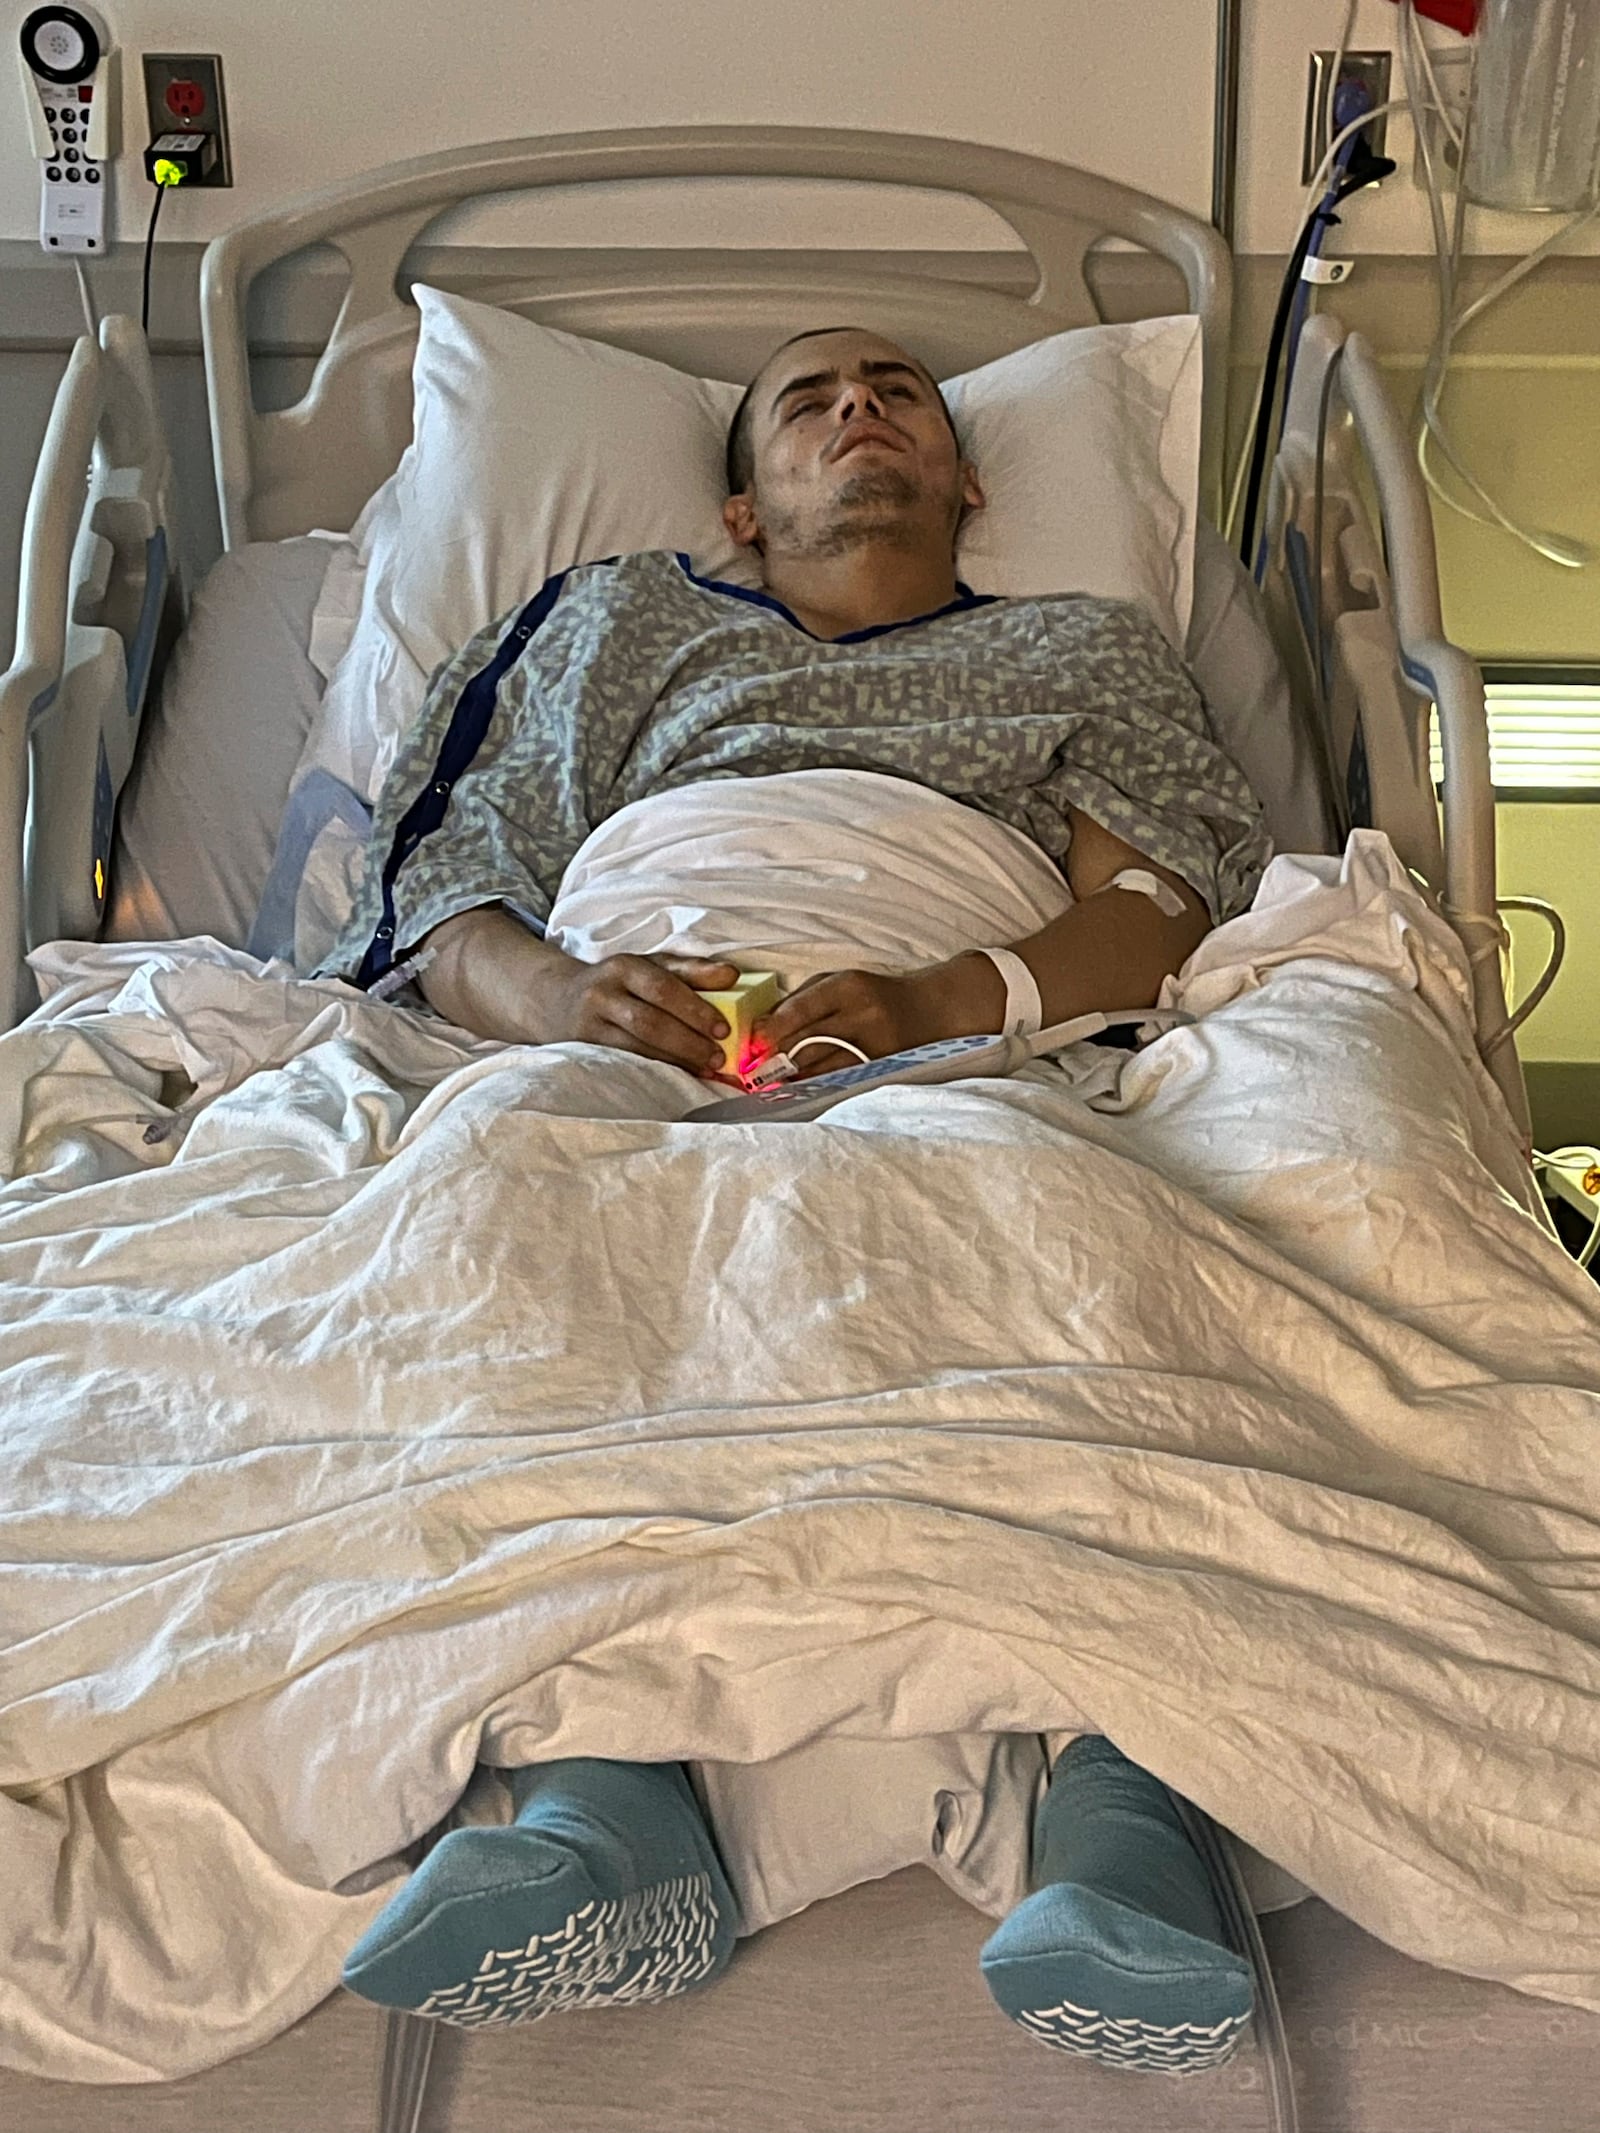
(1225, 119)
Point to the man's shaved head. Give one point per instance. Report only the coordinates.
(740, 461)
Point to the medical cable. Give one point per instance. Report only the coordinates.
(149, 253)
(1330, 93)
(1493, 940)
(780, 1066)
(1364, 169)
(1558, 949)
(1313, 194)
(91, 318)
(1441, 109)
(400, 974)
(1353, 107)
(1335, 790)
(1228, 1885)
(1559, 548)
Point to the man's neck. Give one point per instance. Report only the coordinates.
(861, 588)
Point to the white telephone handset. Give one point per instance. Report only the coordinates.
(70, 81)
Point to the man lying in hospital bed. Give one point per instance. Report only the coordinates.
(407, 1408)
(1035, 775)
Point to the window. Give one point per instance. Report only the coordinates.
(1544, 732)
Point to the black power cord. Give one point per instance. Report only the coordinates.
(1363, 169)
(149, 254)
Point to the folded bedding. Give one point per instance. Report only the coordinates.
(387, 1408)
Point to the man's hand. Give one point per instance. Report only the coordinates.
(492, 976)
(645, 1004)
(961, 998)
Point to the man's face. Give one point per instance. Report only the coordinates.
(850, 443)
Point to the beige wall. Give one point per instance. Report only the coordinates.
(319, 91)
(1278, 36)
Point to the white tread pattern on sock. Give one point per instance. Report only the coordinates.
(647, 1946)
(1184, 2048)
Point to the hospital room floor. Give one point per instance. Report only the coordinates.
(886, 2028)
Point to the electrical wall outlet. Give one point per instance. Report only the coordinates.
(1371, 69)
(183, 94)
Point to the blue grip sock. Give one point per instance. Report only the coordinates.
(605, 1891)
(1120, 1953)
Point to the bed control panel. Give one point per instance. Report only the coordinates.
(70, 81)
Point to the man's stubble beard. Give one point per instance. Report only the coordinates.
(873, 508)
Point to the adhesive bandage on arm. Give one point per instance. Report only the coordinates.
(1164, 898)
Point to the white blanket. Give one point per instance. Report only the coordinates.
(412, 1403)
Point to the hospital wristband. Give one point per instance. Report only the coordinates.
(1024, 1012)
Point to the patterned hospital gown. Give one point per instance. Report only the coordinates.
(626, 678)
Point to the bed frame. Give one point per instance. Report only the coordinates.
(97, 607)
(1355, 606)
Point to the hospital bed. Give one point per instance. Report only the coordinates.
(860, 2012)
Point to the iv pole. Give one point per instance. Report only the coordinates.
(1225, 120)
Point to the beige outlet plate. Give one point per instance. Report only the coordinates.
(183, 93)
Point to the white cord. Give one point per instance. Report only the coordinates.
(1493, 940)
(1556, 548)
(86, 298)
(1453, 133)
(1330, 90)
(1558, 949)
(842, 1044)
(780, 1066)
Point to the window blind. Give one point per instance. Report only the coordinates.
(1544, 733)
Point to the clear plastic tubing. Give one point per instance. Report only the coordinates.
(1535, 141)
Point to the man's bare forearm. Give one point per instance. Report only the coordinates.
(490, 975)
(1112, 950)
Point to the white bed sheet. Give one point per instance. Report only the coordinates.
(1244, 1412)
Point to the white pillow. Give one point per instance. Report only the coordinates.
(534, 450)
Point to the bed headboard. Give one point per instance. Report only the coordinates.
(314, 464)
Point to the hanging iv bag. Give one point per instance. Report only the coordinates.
(1535, 139)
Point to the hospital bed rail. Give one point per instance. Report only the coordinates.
(97, 602)
(1352, 590)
